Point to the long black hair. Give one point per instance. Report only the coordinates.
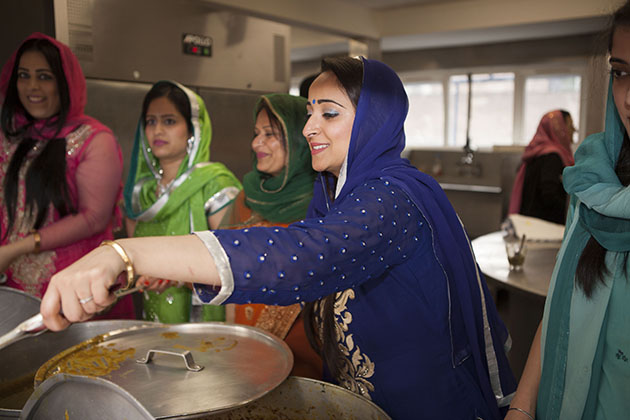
(45, 178)
(349, 73)
(591, 269)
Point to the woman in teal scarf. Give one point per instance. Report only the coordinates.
(173, 189)
(583, 344)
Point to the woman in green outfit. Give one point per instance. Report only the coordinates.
(173, 189)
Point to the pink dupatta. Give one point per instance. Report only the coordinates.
(552, 136)
(32, 272)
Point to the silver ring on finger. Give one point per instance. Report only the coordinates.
(86, 300)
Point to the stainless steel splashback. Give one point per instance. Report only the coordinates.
(141, 40)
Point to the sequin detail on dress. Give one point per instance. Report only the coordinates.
(77, 138)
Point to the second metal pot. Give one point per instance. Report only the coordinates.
(20, 361)
(303, 398)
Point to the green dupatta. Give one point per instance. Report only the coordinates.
(573, 325)
(182, 208)
(283, 198)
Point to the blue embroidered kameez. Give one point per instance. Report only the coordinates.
(420, 333)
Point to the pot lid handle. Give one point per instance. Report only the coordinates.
(184, 354)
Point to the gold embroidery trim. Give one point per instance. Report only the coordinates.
(357, 366)
(278, 320)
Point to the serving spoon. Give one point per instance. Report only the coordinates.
(34, 325)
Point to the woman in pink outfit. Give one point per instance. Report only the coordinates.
(538, 190)
(60, 170)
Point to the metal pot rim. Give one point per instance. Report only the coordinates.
(245, 366)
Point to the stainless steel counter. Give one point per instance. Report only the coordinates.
(536, 274)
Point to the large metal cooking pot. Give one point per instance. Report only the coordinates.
(20, 361)
(82, 397)
(90, 398)
(181, 370)
(15, 307)
(303, 398)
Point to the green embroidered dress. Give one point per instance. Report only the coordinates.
(200, 189)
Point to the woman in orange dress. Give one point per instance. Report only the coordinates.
(277, 192)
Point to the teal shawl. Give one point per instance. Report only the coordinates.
(283, 198)
(573, 325)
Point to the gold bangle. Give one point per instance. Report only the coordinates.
(128, 264)
(38, 241)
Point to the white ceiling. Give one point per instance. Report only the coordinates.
(388, 4)
(494, 35)
(307, 44)
(416, 24)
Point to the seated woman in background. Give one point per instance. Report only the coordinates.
(397, 306)
(60, 169)
(538, 190)
(173, 189)
(277, 192)
(579, 362)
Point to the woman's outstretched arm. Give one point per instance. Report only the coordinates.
(184, 258)
(527, 391)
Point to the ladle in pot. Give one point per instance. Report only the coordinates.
(34, 325)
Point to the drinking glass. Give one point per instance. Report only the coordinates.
(516, 251)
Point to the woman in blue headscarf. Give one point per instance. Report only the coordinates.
(398, 308)
(579, 366)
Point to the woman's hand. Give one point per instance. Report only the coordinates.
(155, 284)
(81, 290)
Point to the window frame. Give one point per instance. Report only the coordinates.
(435, 79)
(521, 73)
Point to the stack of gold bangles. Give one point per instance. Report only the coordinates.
(131, 277)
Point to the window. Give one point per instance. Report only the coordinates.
(492, 109)
(544, 93)
(506, 106)
(424, 126)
